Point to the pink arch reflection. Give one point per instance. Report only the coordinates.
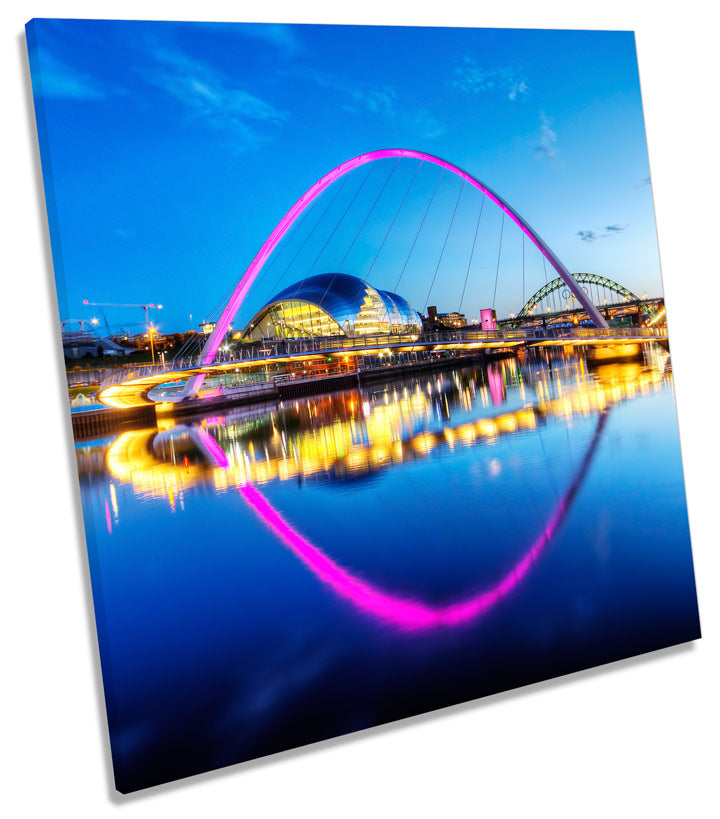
(404, 613)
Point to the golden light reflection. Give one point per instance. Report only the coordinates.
(366, 438)
(130, 460)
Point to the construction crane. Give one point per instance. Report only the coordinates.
(144, 307)
(105, 319)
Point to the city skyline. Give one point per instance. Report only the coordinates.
(161, 130)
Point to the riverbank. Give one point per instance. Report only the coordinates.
(99, 419)
(94, 421)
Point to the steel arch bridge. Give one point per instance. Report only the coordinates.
(241, 290)
(580, 278)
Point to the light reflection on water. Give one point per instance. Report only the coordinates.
(350, 434)
(533, 511)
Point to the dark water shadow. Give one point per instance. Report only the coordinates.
(374, 733)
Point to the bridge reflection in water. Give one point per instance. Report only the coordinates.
(372, 437)
(346, 435)
(403, 612)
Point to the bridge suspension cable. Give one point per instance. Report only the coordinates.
(472, 253)
(392, 223)
(442, 251)
(338, 223)
(422, 222)
(369, 214)
(312, 231)
(287, 241)
(345, 212)
(522, 236)
(497, 270)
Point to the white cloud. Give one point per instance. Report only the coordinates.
(281, 36)
(545, 147)
(377, 100)
(471, 78)
(603, 233)
(210, 96)
(428, 126)
(59, 80)
(373, 99)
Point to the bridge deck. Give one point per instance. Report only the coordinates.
(120, 391)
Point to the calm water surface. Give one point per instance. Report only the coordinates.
(277, 575)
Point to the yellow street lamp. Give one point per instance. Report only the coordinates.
(151, 333)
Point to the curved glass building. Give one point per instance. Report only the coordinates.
(333, 304)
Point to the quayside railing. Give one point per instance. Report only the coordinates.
(269, 349)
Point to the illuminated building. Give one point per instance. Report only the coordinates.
(333, 304)
(488, 319)
(453, 319)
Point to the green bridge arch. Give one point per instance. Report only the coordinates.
(580, 278)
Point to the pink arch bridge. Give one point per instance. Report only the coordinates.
(243, 286)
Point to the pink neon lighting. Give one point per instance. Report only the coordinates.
(212, 448)
(405, 613)
(238, 296)
(408, 614)
(496, 383)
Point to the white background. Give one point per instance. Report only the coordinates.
(639, 738)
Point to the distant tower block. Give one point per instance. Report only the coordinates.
(488, 319)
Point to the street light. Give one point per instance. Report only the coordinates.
(151, 333)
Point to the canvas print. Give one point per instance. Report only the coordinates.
(367, 367)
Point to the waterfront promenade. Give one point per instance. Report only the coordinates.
(123, 389)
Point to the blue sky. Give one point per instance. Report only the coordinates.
(175, 148)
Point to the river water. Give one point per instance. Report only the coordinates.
(276, 575)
